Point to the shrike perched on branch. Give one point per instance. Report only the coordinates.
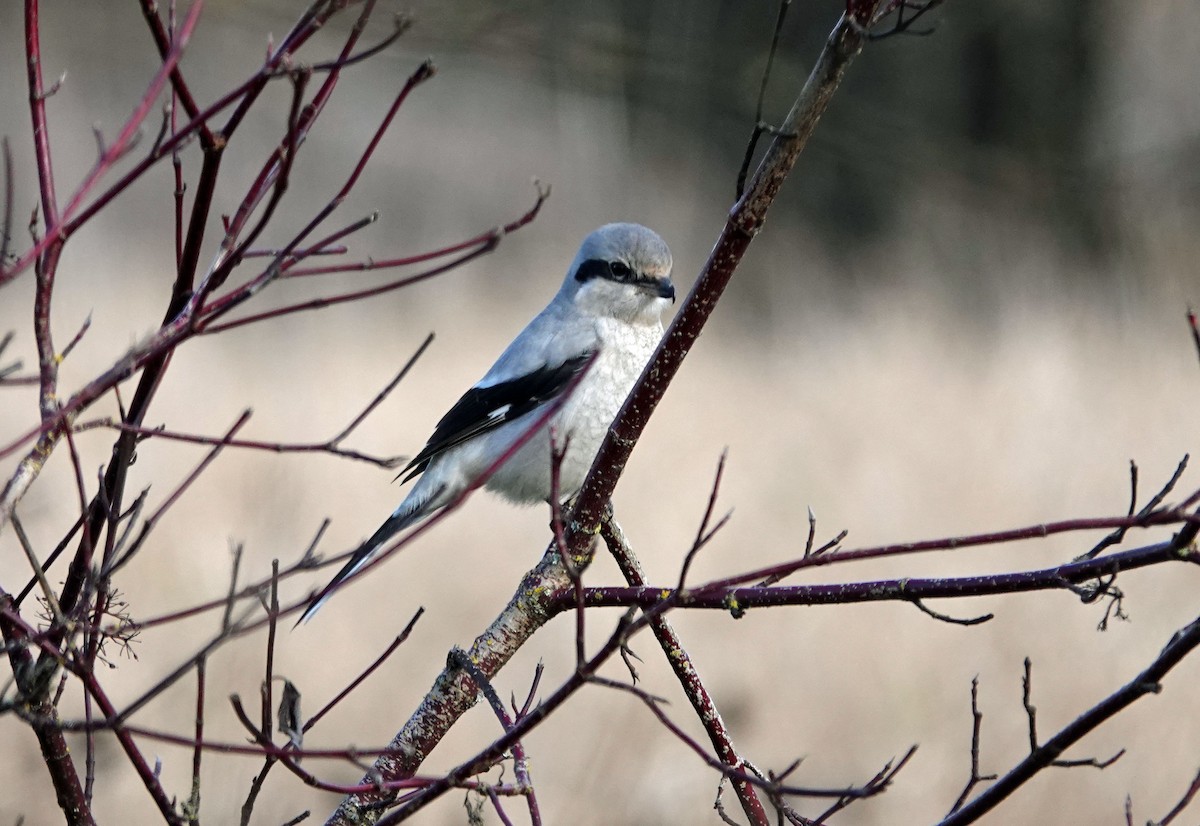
(606, 318)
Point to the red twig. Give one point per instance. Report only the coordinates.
(703, 534)
(1172, 516)
(487, 244)
(329, 446)
(367, 672)
(1195, 327)
(179, 490)
(685, 670)
(133, 123)
(240, 98)
(491, 237)
(1183, 803)
(272, 179)
(164, 40)
(739, 773)
(149, 778)
(386, 462)
(520, 760)
(37, 110)
(47, 264)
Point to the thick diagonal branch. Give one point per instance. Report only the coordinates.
(453, 694)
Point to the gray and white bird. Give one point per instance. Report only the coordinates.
(609, 307)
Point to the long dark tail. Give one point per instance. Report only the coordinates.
(394, 524)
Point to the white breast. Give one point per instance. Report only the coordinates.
(584, 418)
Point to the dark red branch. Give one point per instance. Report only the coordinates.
(1182, 643)
(163, 41)
(680, 661)
(719, 595)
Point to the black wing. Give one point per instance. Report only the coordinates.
(485, 408)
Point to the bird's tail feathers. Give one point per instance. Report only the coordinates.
(395, 523)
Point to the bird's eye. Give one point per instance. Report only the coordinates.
(620, 270)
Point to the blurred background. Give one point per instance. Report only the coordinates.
(965, 313)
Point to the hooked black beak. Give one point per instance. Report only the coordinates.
(666, 289)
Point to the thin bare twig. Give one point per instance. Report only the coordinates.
(38, 572)
(459, 659)
(192, 807)
(7, 218)
(1031, 714)
(976, 777)
(367, 672)
(1118, 535)
(1195, 328)
(178, 492)
(703, 533)
(1149, 681)
(772, 785)
(760, 126)
(925, 609)
(904, 25)
(1183, 803)
(685, 672)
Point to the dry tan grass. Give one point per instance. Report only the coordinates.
(893, 430)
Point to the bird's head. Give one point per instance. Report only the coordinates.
(622, 271)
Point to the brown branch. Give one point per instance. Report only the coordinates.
(331, 445)
(772, 785)
(366, 672)
(192, 808)
(703, 533)
(163, 40)
(760, 126)
(1195, 328)
(47, 264)
(150, 779)
(1118, 536)
(449, 698)
(459, 659)
(1183, 803)
(56, 754)
(7, 218)
(1171, 516)
(745, 221)
(681, 663)
(721, 595)
(976, 777)
(879, 782)
(478, 246)
(1031, 714)
(1149, 681)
